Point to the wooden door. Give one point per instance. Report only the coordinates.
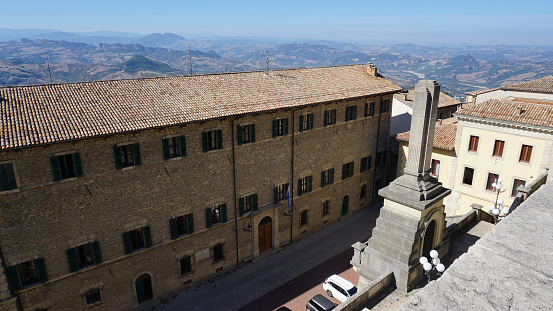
(265, 234)
(345, 205)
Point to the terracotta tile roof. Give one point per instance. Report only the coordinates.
(543, 85)
(478, 92)
(43, 114)
(444, 136)
(534, 112)
(445, 100)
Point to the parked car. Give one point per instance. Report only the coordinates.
(338, 287)
(319, 303)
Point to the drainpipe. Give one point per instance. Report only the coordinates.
(234, 192)
(292, 181)
(376, 152)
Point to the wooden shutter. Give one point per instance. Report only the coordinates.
(166, 153)
(147, 236)
(325, 117)
(13, 278)
(366, 112)
(301, 122)
(255, 205)
(136, 154)
(204, 142)
(323, 175)
(252, 133)
(372, 108)
(219, 139)
(118, 157)
(311, 118)
(286, 126)
(239, 133)
(351, 169)
(56, 168)
(275, 128)
(72, 259)
(331, 172)
(346, 117)
(182, 141)
(96, 253)
(41, 270)
(241, 206)
(78, 164)
(208, 217)
(299, 187)
(140, 293)
(190, 223)
(309, 183)
(127, 242)
(223, 212)
(354, 112)
(275, 195)
(344, 171)
(173, 228)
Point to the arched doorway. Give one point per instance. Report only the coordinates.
(345, 205)
(428, 241)
(265, 234)
(144, 288)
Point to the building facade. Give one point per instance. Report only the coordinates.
(117, 192)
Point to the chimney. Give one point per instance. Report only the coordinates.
(405, 96)
(519, 111)
(371, 69)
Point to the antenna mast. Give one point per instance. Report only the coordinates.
(190, 53)
(267, 61)
(47, 60)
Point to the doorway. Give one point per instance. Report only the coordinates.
(144, 288)
(428, 243)
(345, 205)
(265, 234)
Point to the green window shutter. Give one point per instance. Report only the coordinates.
(354, 112)
(72, 259)
(96, 253)
(347, 114)
(366, 112)
(239, 133)
(56, 168)
(275, 198)
(275, 128)
(286, 126)
(219, 139)
(208, 217)
(309, 183)
(127, 242)
(78, 164)
(325, 118)
(299, 187)
(147, 236)
(301, 122)
(190, 223)
(13, 278)
(136, 153)
(173, 228)
(334, 116)
(364, 164)
(311, 118)
(369, 162)
(344, 171)
(223, 212)
(204, 141)
(118, 157)
(166, 153)
(140, 293)
(182, 141)
(254, 202)
(252, 133)
(241, 206)
(331, 172)
(323, 179)
(7, 177)
(351, 169)
(41, 270)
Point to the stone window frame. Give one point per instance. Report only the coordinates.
(190, 256)
(488, 186)
(325, 209)
(351, 113)
(472, 144)
(531, 157)
(514, 191)
(174, 146)
(463, 176)
(15, 177)
(329, 116)
(498, 153)
(304, 218)
(216, 258)
(122, 153)
(64, 167)
(245, 134)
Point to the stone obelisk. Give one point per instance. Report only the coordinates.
(412, 218)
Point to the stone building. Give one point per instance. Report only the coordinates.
(116, 192)
(541, 89)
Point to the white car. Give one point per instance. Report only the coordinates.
(338, 287)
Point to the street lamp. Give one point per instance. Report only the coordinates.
(497, 208)
(432, 268)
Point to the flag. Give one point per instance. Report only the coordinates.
(288, 197)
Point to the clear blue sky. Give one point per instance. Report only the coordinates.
(461, 21)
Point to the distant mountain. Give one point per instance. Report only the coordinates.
(141, 63)
(7, 34)
(159, 40)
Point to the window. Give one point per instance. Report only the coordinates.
(174, 147)
(327, 177)
(363, 192)
(280, 127)
(306, 122)
(136, 239)
(127, 155)
(347, 170)
(369, 109)
(385, 105)
(380, 158)
(517, 183)
(473, 143)
(93, 296)
(525, 154)
(181, 225)
(27, 273)
(84, 255)
(218, 252)
(366, 163)
(66, 166)
(468, 175)
(7, 177)
(185, 264)
(351, 113)
(330, 117)
(212, 140)
(247, 203)
(280, 192)
(246, 134)
(215, 214)
(326, 207)
(498, 148)
(492, 178)
(435, 168)
(305, 185)
(303, 218)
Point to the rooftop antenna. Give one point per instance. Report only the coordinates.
(267, 62)
(47, 60)
(190, 53)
